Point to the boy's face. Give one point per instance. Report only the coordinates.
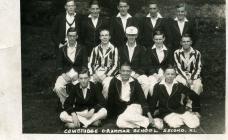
(83, 80)
(158, 40)
(70, 7)
(104, 37)
(153, 9)
(170, 75)
(72, 37)
(94, 10)
(125, 73)
(123, 8)
(186, 42)
(181, 13)
(131, 38)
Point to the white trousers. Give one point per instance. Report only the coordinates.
(175, 120)
(60, 88)
(143, 80)
(132, 118)
(196, 86)
(101, 114)
(152, 81)
(105, 84)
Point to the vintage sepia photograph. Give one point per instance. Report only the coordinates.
(123, 66)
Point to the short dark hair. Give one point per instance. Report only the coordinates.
(84, 70)
(181, 5)
(158, 32)
(187, 35)
(104, 29)
(125, 64)
(152, 2)
(124, 1)
(170, 67)
(69, 1)
(94, 2)
(71, 29)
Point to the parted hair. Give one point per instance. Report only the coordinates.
(187, 35)
(71, 29)
(94, 2)
(84, 70)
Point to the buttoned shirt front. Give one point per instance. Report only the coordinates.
(181, 24)
(160, 52)
(124, 19)
(168, 88)
(154, 20)
(84, 90)
(125, 89)
(70, 19)
(71, 52)
(94, 20)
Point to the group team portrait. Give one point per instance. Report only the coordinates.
(123, 66)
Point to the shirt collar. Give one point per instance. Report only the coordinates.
(164, 83)
(119, 78)
(90, 16)
(109, 46)
(158, 15)
(191, 50)
(127, 16)
(133, 46)
(69, 15)
(185, 19)
(88, 87)
(163, 47)
(74, 45)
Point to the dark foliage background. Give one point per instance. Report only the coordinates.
(38, 58)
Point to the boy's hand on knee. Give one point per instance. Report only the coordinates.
(89, 114)
(197, 114)
(158, 123)
(75, 120)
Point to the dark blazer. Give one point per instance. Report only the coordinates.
(90, 34)
(138, 62)
(64, 63)
(116, 106)
(154, 65)
(118, 37)
(174, 102)
(59, 27)
(76, 102)
(175, 35)
(147, 34)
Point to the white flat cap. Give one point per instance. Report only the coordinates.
(131, 30)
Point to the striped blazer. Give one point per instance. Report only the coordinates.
(109, 60)
(188, 68)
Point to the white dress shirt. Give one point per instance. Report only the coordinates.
(154, 20)
(125, 89)
(124, 19)
(160, 52)
(71, 52)
(181, 24)
(70, 20)
(131, 51)
(84, 90)
(168, 88)
(94, 20)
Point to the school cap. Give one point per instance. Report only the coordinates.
(131, 30)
